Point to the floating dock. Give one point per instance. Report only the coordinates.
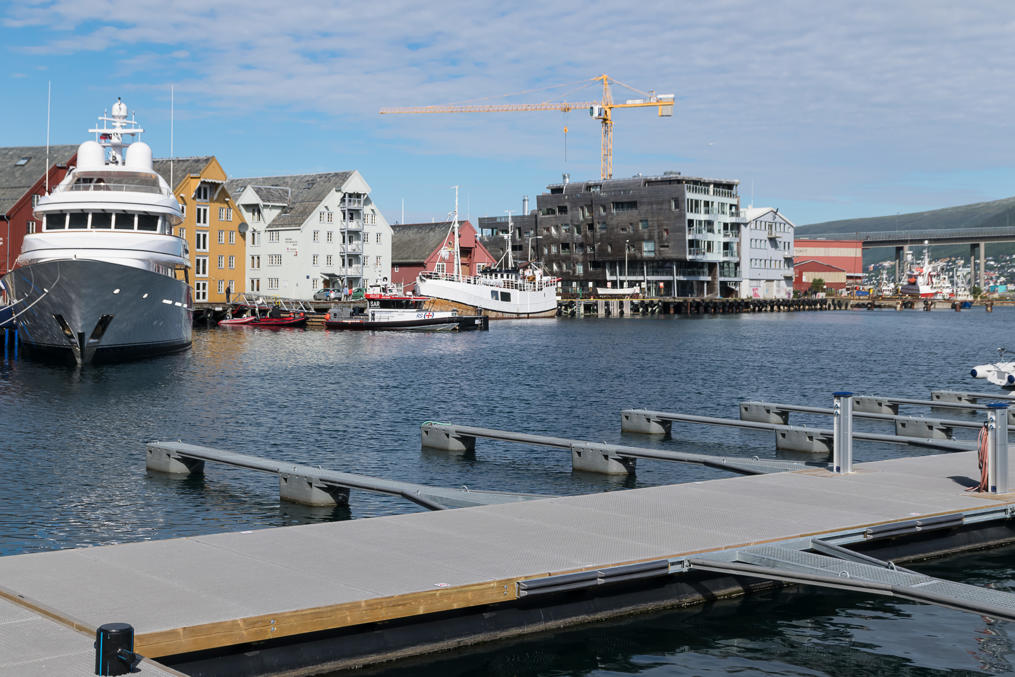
(344, 594)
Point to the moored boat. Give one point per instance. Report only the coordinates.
(398, 311)
(99, 281)
(522, 292)
(261, 313)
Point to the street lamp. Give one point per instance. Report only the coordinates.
(626, 247)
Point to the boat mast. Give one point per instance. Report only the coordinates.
(454, 226)
(111, 138)
(511, 263)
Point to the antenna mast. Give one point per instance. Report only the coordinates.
(49, 105)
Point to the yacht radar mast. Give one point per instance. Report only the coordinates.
(111, 138)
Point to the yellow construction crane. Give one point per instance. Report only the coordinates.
(600, 110)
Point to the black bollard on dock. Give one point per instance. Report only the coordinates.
(114, 649)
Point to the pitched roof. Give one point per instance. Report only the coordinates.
(414, 242)
(17, 177)
(181, 167)
(302, 193)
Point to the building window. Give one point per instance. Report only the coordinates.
(317, 236)
(378, 240)
(314, 259)
(255, 213)
(201, 194)
(222, 262)
(272, 283)
(201, 266)
(200, 291)
(273, 236)
(255, 238)
(377, 262)
(255, 262)
(201, 241)
(643, 224)
(183, 208)
(222, 237)
(182, 232)
(320, 217)
(327, 260)
(328, 236)
(30, 227)
(648, 248)
(255, 284)
(579, 269)
(225, 213)
(396, 268)
(330, 217)
(221, 286)
(201, 216)
(232, 263)
(439, 268)
(274, 259)
(232, 237)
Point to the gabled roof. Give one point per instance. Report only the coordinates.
(753, 213)
(22, 166)
(415, 242)
(182, 167)
(301, 193)
(818, 265)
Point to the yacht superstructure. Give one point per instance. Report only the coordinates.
(99, 282)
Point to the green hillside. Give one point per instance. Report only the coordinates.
(995, 214)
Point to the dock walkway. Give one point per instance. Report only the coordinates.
(225, 590)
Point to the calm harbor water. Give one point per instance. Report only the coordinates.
(72, 457)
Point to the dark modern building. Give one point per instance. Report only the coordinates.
(669, 235)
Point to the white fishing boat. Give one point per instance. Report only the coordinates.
(926, 281)
(511, 292)
(99, 282)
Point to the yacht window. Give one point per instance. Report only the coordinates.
(123, 222)
(147, 222)
(54, 222)
(505, 296)
(493, 295)
(103, 220)
(77, 220)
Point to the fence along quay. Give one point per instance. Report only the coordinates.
(349, 593)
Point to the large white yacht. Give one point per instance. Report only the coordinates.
(99, 282)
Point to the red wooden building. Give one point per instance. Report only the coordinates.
(416, 247)
(22, 180)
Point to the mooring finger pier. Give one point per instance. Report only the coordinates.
(343, 594)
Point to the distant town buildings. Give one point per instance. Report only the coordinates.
(312, 231)
(418, 247)
(212, 226)
(766, 254)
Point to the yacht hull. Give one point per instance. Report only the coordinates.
(89, 311)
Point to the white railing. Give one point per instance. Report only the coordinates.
(531, 283)
(115, 187)
(352, 248)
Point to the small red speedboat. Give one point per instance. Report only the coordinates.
(262, 316)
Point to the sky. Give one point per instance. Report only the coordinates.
(826, 110)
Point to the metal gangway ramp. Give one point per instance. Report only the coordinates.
(839, 568)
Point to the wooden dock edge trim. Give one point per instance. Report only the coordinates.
(49, 612)
(330, 617)
(348, 614)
